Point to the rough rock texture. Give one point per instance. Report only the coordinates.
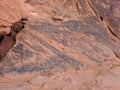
(66, 45)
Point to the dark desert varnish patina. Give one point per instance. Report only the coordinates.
(7, 41)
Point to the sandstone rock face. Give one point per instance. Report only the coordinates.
(65, 45)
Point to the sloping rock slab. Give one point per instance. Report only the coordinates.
(61, 54)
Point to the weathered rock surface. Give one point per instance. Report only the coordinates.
(66, 45)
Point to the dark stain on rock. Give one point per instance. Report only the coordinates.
(59, 60)
(22, 51)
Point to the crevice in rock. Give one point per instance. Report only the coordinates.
(77, 6)
(57, 19)
(27, 1)
(113, 40)
(95, 11)
(109, 28)
(1, 38)
(101, 17)
(7, 41)
(116, 55)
